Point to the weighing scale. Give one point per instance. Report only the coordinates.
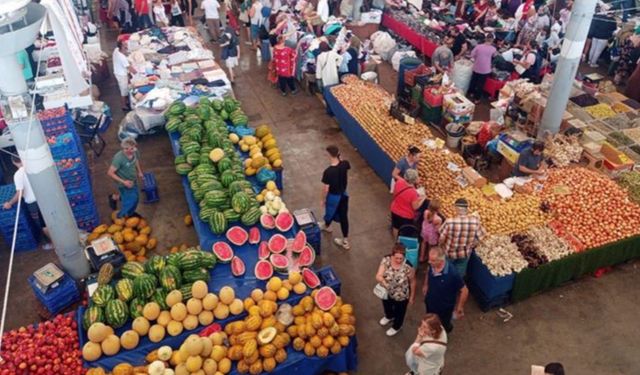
(104, 250)
(47, 277)
(304, 217)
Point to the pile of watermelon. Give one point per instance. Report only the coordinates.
(211, 163)
(118, 300)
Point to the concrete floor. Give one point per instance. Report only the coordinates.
(590, 325)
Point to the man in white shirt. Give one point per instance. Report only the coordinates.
(212, 15)
(22, 184)
(121, 69)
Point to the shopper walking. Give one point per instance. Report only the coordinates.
(602, 28)
(255, 16)
(142, 11)
(335, 198)
(285, 60)
(482, 54)
(125, 170)
(432, 220)
(159, 14)
(121, 70)
(444, 290)
(426, 355)
(189, 7)
(459, 236)
(176, 14)
(24, 190)
(398, 278)
(212, 18)
(406, 201)
(230, 47)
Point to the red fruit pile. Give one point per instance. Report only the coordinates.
(50, 348)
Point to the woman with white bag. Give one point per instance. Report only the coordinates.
(426, 355)
(396, 287)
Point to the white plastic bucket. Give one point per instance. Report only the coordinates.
(455, 132)
(370, 77)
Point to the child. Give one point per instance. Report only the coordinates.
(430, 228)
(159, 14)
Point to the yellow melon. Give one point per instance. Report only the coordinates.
(132, 222)
(190, 322)
(110, 345)
(174, 297)
(221, 311)
(205, 318)
(174, 328)
(146, 230)
(226, 295)
(216, 154)
(194, 306)
(97, 332)
(209, 302)
(91, 351)
(114, 228)
(164, 318)
(178, 312)
(151, 311)
(156, 333)
(199, 289)
(129, 339)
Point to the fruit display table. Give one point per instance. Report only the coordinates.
(419, 41)
(220, 276)
(205, 236)
(381, 163)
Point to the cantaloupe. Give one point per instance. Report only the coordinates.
(110, 345)
(209, 302)
(151, 311)
(156, 333)
(226, 295)
(199, 289)
(97, 332)
(174, 328)
(178, 312)
(221, 311)
(236, 307)
(205, 318)
(174, 296)
(193, 345)
(194, 306)
(164, 318)
(91, 351)
(129, 339)
(190, 322)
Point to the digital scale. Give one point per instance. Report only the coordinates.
(47, 277)
(104, 250)
(304, 217)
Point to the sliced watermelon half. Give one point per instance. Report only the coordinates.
(267, 221)
(263, 250)
(237, 235)
(310, 278)
(237, 266)
(284, 221)
(280, 262)
(223, 251)
(277, 243)
(299, 242)
(263, 270)
(254, 235)
(307, 257)
(325, 298)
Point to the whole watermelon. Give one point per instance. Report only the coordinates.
(144, 286)
(191, 260)
(116, 313)
(171, 278)
(251, 217)
(131, 270)
(92, 315)
(124, 289)
(155, 265)
(103, 295)
(240, 202)
(136, 306)
(159, 297)
(218, 223)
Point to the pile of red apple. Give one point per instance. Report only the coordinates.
(50, 348)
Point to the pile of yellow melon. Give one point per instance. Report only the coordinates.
(133, 236)
(263, 151)
(318, 332)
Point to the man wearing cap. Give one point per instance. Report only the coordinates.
(459, 236)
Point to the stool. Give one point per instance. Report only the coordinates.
(150, 188)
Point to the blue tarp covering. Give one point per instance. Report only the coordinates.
(381, 163)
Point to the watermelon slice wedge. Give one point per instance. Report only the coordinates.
(310, 278)
(277, 243)
(267, 221)
(263, 270)
(299, 242)
(280, 262)
(284, 221)
(254, 235)
(237, 266)
(307, 257)
(263, 250)
(325, 298)
(237, 235)
(223, 251)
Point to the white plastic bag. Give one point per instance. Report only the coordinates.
(461, 74)
(398, 56)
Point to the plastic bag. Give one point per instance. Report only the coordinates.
(264, 175)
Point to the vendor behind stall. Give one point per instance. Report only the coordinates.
(442, 58)
(530, 161)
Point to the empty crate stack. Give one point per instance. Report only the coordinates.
(26, 239)
(71, 162)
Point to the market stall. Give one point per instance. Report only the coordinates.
(540, 235)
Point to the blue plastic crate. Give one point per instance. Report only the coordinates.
(56, 299)
(150, 188)
(66, 146)
(80, 196)
(491, 286)
(329, 278)
(314, 236)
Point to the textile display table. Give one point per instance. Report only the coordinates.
(419, 41)
(381, 163)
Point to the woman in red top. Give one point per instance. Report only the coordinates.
(285, 60)
(406, 201)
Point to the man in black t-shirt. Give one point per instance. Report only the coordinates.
(334, 196)
(459, 47)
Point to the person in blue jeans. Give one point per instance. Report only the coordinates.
(445, 293)
(335, 199)
(125, 170)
